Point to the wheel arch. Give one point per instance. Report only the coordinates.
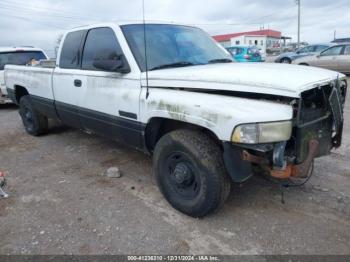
(157, 127)
(20, 91)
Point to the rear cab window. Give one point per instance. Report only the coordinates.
(100, 43)
(71, 50)
(20, 58)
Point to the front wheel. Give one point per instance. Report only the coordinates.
(35, 123)
(286, 61)
(190, 172)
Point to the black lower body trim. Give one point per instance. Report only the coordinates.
(124, 130)
(44, 105)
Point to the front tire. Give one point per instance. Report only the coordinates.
(286, 60)
(190, 172)
(34, 122)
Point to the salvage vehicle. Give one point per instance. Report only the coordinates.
(335, 58)
(16, 56)
(171, 91)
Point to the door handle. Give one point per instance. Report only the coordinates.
(77, 83)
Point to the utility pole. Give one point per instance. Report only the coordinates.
(299, 16)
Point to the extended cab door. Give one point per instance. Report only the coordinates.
(109, 105)
(68, 80)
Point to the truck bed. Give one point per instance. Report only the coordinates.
(37, 79)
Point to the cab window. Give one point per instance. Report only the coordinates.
(100, 42)
(71, 52)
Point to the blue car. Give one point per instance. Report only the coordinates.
(288, 58)
(245, 53)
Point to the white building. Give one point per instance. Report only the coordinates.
(262, 38)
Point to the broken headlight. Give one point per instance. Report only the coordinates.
(259, 133)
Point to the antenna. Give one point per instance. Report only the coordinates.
(145, 43)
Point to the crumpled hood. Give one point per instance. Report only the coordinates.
(264, 78)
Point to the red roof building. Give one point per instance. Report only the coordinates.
(263, 39)
(265, 32)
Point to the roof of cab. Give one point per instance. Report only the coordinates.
(125, 22)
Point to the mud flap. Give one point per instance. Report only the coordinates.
(238, 169)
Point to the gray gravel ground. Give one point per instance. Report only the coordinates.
(61, 204)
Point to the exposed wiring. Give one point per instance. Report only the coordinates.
(292, 182)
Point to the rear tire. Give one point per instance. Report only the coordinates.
(190, 172)
(34, 122)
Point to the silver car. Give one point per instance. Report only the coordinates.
(335, 58)
(288, 58)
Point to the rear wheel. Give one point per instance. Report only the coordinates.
(286, 60)
(34, 122)
(190, 172)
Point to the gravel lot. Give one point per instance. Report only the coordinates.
(61, 204)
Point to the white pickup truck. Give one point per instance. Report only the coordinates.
(206, 120)
(16, 56)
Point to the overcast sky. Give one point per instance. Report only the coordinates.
(39, 22)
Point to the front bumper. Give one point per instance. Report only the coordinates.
(239, 162)
(317, 129)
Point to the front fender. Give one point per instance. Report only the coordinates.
(218, 113)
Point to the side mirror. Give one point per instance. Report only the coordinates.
(318, 56)
(111, 63)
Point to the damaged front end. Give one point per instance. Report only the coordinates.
(317, 128)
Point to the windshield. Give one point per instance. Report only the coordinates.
(172, 46)
(19, 58)
(253, 50)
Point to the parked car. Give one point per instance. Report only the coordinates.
(335, 58)
(16, 56)
(206, 121)
(245, 53)
(289, 57)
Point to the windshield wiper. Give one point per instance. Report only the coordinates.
(172, 65)
(220, 60)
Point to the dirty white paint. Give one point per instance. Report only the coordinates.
(263, 78)
(218, 113)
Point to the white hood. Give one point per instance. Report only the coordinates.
(263, 78)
